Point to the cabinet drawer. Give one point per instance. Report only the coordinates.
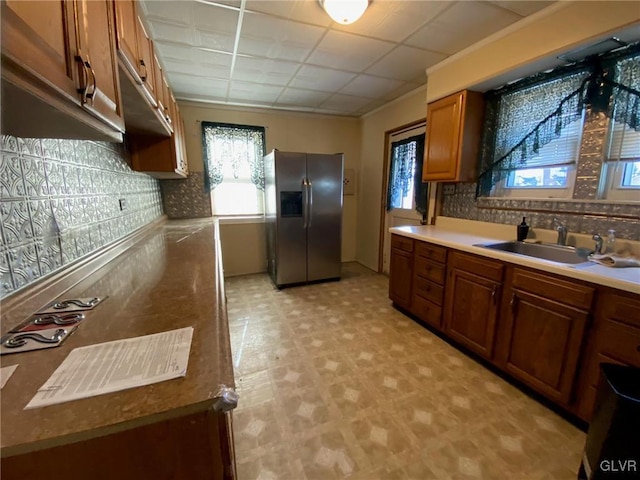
(480, 266)
(402, 243)
(429, 290)
(430, 270)
(615, 343)
(434, 252)
(427, 311)
(621, 308)
(567, 292)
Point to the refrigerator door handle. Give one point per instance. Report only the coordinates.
(310, 202)
(305, 202)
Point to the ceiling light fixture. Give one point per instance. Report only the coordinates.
(344, 11)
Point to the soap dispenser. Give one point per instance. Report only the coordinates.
(523, 230)
(611, 241)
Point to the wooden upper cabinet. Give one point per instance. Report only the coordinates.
(145, 56)
(98, 64)
(58, 70)
(38, 36)
(127, 38)
(161, 157)
(454, 127)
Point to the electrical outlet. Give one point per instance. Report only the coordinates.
(449, 188)
(123, 203)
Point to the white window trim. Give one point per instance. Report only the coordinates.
(612, 175)
(502, 191)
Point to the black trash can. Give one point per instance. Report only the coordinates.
(612, 449)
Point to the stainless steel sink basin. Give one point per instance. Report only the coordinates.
(546, 251)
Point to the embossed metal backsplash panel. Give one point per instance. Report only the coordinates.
(186, 198)
(578, 217)
(60, 199)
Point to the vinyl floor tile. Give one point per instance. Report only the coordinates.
(336, 383)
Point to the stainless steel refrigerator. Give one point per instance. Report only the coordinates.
(303, 205)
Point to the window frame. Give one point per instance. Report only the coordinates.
(255, 128)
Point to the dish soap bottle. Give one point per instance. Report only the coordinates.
(611, 241)
(523, 230)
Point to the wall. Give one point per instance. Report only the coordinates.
(244, 248)
(287, 131)
(59, 200)
(407, 109)
(523, 48)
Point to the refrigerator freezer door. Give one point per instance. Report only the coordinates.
(291, 236)
(324, 231)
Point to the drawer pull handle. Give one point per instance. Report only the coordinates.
(493, 294)
(513, 303)
(143, 76)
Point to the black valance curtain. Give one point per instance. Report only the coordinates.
(405, 165)
(606, 83)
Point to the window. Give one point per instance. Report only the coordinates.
(532, 140)
(405, 189)
(234, 168)
(622, 161)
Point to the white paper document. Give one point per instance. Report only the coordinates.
(113, 366)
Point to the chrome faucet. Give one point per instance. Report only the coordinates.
(599, 242)
(562, 231)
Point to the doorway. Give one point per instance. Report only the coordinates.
(401, 209)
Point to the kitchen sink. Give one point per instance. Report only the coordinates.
(546, 251)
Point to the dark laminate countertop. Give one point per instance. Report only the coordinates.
(166, 277)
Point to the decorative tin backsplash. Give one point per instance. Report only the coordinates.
(60, 199)
(186, 198)
(577, 216)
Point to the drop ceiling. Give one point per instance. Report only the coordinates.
(290, 55)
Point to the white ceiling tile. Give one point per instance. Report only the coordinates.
(348, 52)
(263, 70)
(197, 86)
(521, 7)
(172, 33)
(305, 11)
(322, 79)
(254, 92)
(172, 12)
(271, 37)
(405, 88)
(345, 103)
(405, 63)
(371, 87)
(216, 40)
(394, 20)
(214, 19)
(462, 25)
(307, 98)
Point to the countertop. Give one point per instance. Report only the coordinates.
(627, 279)
(169, 277)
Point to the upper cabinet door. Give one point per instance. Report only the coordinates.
(454, 127)
(145, 56)
(127, 37)
(99, 70)
(38, 37)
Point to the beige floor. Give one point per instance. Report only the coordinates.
(335, 383)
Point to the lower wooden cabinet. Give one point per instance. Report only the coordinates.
(539, 328)
(472, 302)
(400, 271)
(615, 339)
(542, 331)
